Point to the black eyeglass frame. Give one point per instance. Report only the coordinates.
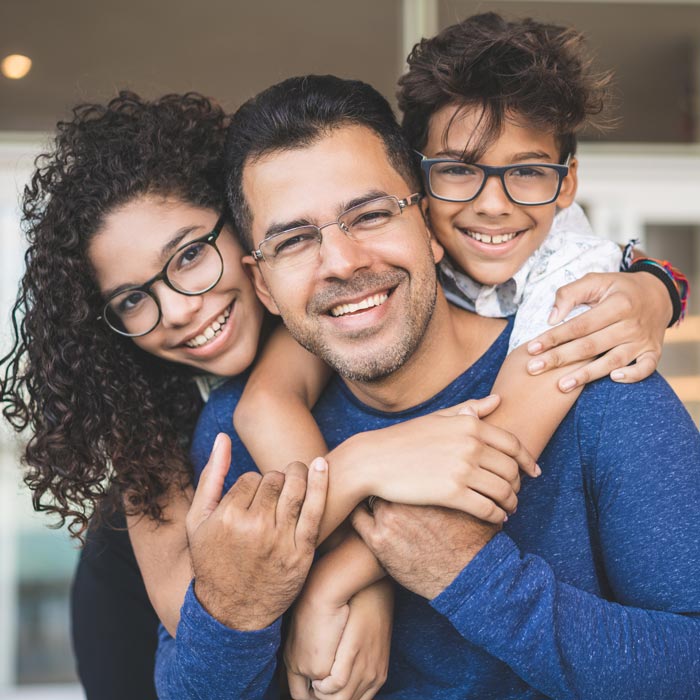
(208, 238)
(562, 170)
(258, 255)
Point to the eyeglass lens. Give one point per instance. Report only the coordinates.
(302, 244)
(528, 184)
(194, 269)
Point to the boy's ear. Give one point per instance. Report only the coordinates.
(569, 185)
(438, 250)
(252, 269)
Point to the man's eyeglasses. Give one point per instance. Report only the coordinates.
(529, 184)
(302, 244)
(193, 269)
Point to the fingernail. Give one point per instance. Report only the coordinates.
(538, 471)
(319, 464)
(505, 518)
(567, 384)
(617, 374)
(217, 443)
(534, 347)
(554, 314)
(535, 365)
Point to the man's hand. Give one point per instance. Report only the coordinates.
(251, 552)
(422, 547)
(626, 322)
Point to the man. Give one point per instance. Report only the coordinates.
(591, 590)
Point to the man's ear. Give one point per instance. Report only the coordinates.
(569, 185)
(256, 277)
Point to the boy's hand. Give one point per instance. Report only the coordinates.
(251, 551)
(361, 658)
(627, 322)
(449, 458)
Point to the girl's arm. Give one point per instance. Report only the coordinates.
(163, 555)
(273, 415)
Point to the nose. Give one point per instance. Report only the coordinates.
(342, 256)
(493, 200)
(177, 310)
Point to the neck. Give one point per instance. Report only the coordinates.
(453, 341)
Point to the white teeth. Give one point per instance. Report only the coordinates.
(369, 302)
(485, 238)
(211, 331)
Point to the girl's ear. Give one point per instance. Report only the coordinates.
(253, 271)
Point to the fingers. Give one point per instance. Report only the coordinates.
(644, 367)
(477, 505)
(299, 687)
(291, 498)
(479, 408)
(211, 482)
(267, 495)
(509, 445)
(590, 289)
(362, 522)
(242, 493)
(309, 522)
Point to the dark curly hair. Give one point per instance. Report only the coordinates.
(539, 72)
(110, 423)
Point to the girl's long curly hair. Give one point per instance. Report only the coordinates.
(110, 423)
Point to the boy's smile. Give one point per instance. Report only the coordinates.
(491, 237)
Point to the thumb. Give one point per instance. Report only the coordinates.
(480, 408)
(211, 482)
(362, 521)
(589, 290)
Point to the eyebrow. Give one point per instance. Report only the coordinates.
(281, 226)
(165, 252)
(532, 156)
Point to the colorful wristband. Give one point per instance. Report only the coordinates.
(673, 279)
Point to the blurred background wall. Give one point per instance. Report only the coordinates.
(642, 180)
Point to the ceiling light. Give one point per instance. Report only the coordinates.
(15, 66)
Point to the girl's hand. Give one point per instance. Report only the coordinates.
(362, 657)
(448, 458)
(314, 635)
(627, 322)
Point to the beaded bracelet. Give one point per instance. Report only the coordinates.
(673, 279)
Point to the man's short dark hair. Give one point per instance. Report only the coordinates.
(539, 73)
(297, 112)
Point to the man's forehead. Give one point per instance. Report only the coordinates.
(320, 179)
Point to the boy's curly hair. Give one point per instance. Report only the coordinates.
(537, 73)
(108, 421)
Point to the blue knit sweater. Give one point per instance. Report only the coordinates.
(592, 590)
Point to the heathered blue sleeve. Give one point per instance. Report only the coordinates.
(643, 459)
(208, 661)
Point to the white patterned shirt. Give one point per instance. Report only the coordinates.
(569, 251)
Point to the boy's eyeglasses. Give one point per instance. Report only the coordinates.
(529, 184)
(193, 269)
(301, 245)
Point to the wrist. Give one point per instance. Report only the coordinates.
(350, 469)
(236, 615)
(672, 279)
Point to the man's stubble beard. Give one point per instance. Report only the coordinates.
(353, 366)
